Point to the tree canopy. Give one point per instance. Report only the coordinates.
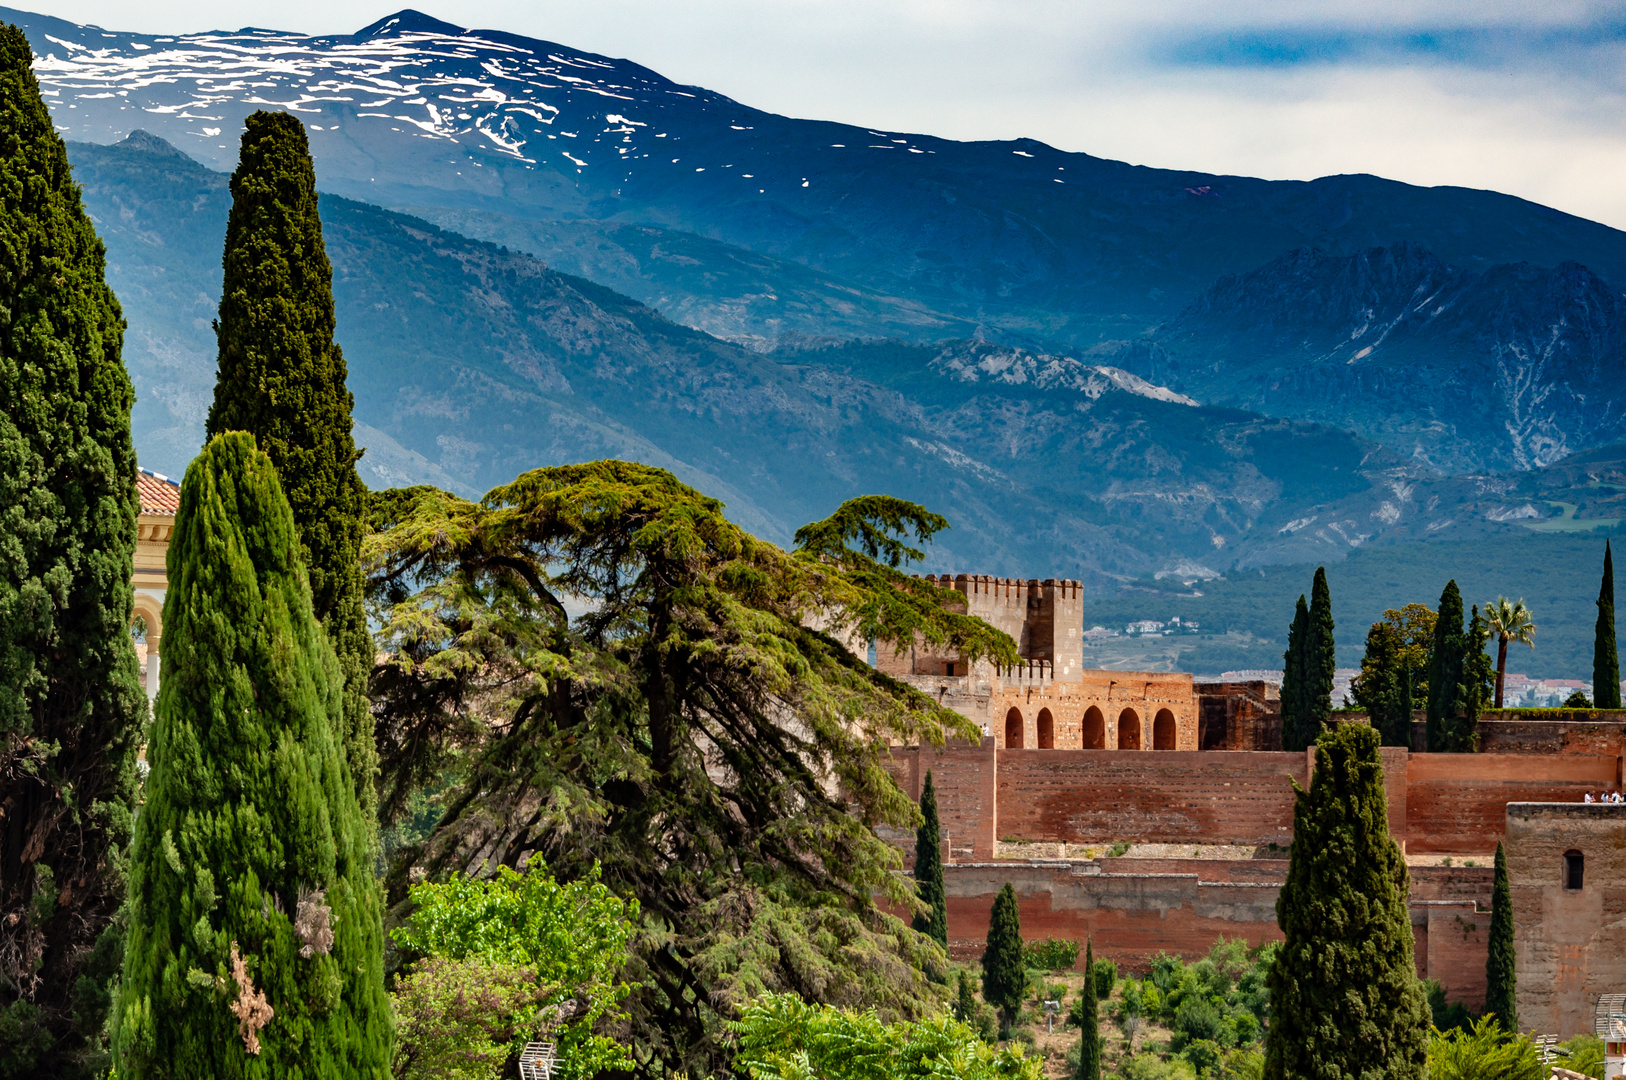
(621, 676)
(71, 709)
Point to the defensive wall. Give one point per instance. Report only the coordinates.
(992, 800)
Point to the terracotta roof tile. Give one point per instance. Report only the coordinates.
(159, 494)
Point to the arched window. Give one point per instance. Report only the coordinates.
(1013, 730)
(1095, 729)
(1128, 730)
(1574, 869)
(1163, 730)
(1047, 730)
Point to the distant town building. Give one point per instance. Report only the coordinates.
(1144, 626)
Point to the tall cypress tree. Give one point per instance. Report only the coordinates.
(1004, 974)
(1344, 996)
(1320, 659)
(256, 939)
(1501, 982)
(282, 379)
(71, 708)
(1445, 674)
(1089, 1022)
(929, 868)
(1293, 676)
(1605, 657)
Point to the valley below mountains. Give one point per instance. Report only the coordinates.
(1093, 369)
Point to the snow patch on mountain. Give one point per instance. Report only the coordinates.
(975, 362)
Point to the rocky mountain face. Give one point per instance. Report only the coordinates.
(470, 363)
(1509, 368)
(1030, 243)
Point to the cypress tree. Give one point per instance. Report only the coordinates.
(1344, 996)
(1478, 685)
(256, 940)
(1445, 674)
(965, 1005)
(1605, 657)
(1004, 975)
(71, 707)
(1089, 1020)
(1501, 980)
(282, 379)
(1320, 659)
(929, 868)
(1293, 676)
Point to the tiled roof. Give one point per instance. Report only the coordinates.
(159, 494)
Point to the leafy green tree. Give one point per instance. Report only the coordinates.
(570, 940)
(71, 708)
(1445, 672)
(1484, 1051)
(256, 943)
(1344, 995)
(1089, 1022)
(965, 1003)
(1004, 975)
(461, 1019)
(698, 729)
(1605, 656)
(282, 379)
(783, 1038)
(1294, 675)
(933, 922)
(1394, 671)
(1501, 979)
(1508, 621)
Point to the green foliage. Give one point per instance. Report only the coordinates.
(463, 1019)
(569, 939)
(1577, 700)
(933, 922)
(1088, 1019)
(689, 731)
(1394, 671)
(1508, 621)
(71, 708)
(282, 379)
(1106, 976)
(1501, 979)
(1215, 1008)
(1605, 655)
(1294, 674)
(780, 1037)
(1447, 676)
(1320, 659)
(1482, 1052)
(1585, 1055)
(1004, 974)
(252, 872)
(1345, 1000)
(1154, 1067)
(1050, 954)
(1478, 682)
(1444, 1014)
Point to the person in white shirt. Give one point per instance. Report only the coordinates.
(1588, 797)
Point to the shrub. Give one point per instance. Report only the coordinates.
(1152, 1067)
(1051, 954)
(781, 1037)
(1585, 1055)
(1198, 1020)
(1106, 977)
(1482, 1052)
(1446, 1016)
(570, 938)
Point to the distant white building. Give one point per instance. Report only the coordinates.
(1144, 626)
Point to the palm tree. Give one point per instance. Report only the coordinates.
(1509, 622)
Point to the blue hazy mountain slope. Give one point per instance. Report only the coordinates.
(470, 363)
(1507, 368)
(1014, 236)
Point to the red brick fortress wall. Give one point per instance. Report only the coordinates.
(1457, 802)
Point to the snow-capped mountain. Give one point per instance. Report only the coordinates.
(1025, 240)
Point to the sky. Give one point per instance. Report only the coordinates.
(1525, 98)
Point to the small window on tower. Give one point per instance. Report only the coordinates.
(948, 668)
(1574, 869)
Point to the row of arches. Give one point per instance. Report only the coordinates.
(1094, 733)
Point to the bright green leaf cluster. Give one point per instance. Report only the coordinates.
(781, 1037)
(570, 940)
(1485, 1052)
